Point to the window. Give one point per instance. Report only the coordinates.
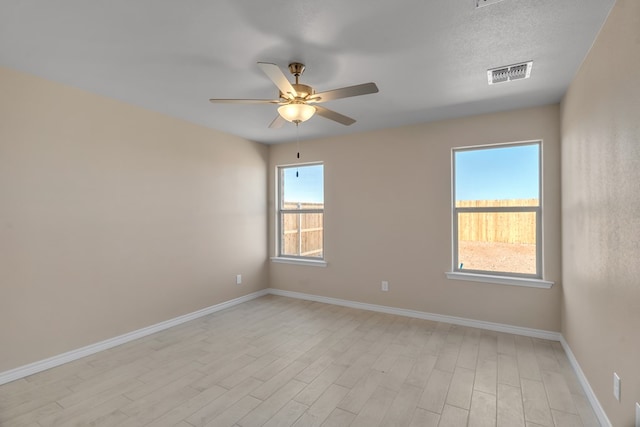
(301, 211)
(497, 213)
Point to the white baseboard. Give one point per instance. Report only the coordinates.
(595, 404)
(42, 365)
(498, 327)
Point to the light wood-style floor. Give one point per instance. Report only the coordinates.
(277, 361)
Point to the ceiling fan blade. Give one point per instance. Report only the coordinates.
(244, 101)
(277, 122)
(345, 92)
(332, 115)
(277, 76)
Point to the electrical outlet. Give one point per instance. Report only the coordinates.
(385, 286)
(637, 414)
(616, 386)
(238, 279)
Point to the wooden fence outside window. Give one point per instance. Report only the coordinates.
(499, 227)
(303, 232)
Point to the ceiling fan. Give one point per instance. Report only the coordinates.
(297, 101)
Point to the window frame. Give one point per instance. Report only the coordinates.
(500, 277)
(280, 211)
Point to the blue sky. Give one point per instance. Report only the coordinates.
(308, 186)
(509, 172)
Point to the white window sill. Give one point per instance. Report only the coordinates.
(299, 261)
(500, 280)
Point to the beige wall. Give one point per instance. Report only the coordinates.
(113, 218)
(387, 217)
(601, 212)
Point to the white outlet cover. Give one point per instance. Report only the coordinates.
(616, 386)
(385, 286)
(238, 279)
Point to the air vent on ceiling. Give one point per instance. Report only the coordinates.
(510, 72)
(481, 3)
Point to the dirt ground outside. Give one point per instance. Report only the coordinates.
(504, 257)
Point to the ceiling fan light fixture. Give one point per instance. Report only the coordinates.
(296, 113)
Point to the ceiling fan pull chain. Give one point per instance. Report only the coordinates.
(297, 143)
(298, 138)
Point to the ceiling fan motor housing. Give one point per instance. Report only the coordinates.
(303, 91)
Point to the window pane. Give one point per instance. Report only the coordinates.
(302, 234)
(500, 173)
(497, 242)
(304, 191)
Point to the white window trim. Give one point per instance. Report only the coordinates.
(299, 261)
(536, 281)
(293, 259)
(500, 280)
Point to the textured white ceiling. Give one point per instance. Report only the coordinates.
(429, 58)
